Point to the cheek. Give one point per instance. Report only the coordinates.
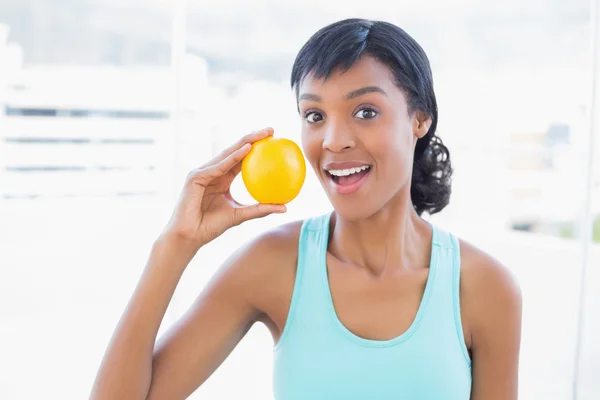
(311, 146)
(394, 149)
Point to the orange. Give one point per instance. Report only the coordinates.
(274, 170)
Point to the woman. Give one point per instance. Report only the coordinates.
(367, 302)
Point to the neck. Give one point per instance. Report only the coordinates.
(393, 240)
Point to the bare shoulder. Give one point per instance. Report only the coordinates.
(263, 269)
(275, 247)
(485, 275)
(279, 240)
(489, 291)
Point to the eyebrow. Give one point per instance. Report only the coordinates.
(349, 96)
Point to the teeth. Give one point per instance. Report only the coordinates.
(349, 171)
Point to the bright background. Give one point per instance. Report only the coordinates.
(105, 105)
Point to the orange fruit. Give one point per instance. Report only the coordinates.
(274, 170)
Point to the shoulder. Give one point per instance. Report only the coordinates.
(264, 265)
(278, 244)
(485, 276)
(490, 293)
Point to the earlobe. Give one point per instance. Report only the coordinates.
(421, 124)
(425, 125)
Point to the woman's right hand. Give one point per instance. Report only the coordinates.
(205, 208)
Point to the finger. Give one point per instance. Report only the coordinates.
(223, 167)
(247, 139)
(233, 172)
(246, 213)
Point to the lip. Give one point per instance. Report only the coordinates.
(344, 165)
(347, 189)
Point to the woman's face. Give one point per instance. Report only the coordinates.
(359, 137)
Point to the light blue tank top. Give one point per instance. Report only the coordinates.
(317, 357)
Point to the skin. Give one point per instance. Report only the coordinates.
(378, 255)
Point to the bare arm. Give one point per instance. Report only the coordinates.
(220, 317)
(493, 304)
(126, 370)
(132, 369)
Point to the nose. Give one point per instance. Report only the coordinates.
(338, 139)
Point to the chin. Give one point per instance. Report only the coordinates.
(357, 200)
(364, 204)
(354, 209)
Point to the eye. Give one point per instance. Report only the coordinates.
(313, 117)
(366, 113)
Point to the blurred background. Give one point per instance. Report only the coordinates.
(105, 106)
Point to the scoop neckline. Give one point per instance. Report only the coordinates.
(420, 311)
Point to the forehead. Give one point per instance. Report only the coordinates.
(364, 72)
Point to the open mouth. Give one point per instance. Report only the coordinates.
(349, 176)
(349, 180)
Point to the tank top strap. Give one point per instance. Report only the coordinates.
(443, 314)
(312, 248)
(307, 310)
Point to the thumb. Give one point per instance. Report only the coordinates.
(246, 213)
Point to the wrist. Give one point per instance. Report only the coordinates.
(177, 241)
(177, 250)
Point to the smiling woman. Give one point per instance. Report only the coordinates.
(369, 301)
(397, 76)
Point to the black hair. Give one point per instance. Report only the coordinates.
(340, 45)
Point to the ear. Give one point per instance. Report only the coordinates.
(421, 123)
